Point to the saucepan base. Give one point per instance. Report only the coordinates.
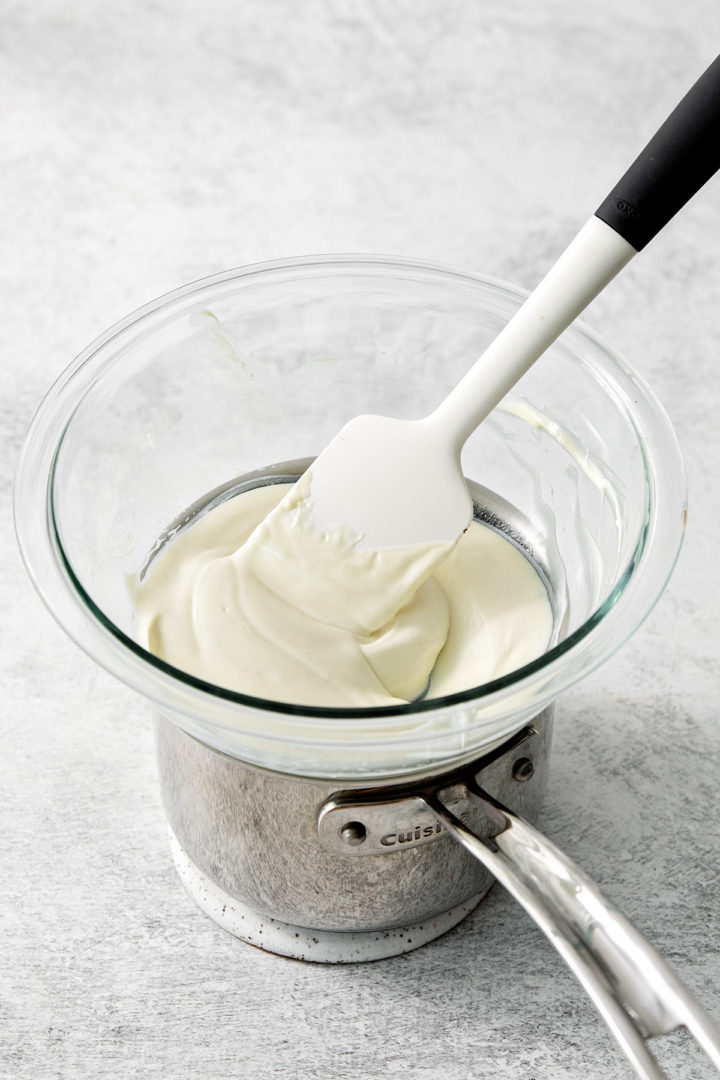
(300, 942)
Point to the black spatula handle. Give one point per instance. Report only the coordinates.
(680, 157)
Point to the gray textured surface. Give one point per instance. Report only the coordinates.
(149, 144)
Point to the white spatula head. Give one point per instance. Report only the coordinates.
(393, 482)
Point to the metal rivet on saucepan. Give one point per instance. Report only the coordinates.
(523, 769)
(353, 833)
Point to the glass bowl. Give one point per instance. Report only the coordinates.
(252, 370)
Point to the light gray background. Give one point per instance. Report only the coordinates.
(148, 144)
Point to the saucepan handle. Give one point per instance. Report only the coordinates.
(632, 987)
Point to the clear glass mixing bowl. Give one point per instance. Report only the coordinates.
(263, 365)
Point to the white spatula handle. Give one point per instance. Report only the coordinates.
(583, 270)
(680, 157)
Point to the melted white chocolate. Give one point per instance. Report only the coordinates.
(236, 600)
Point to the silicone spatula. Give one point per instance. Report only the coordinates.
(399, 482)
